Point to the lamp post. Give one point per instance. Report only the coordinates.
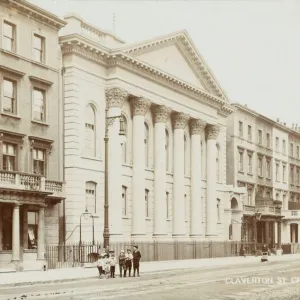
(86, 214)
(257, 217)
(109, 122)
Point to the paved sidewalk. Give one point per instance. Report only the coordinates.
(73, 274)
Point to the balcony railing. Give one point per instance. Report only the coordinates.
(264, 209)
(23, 181)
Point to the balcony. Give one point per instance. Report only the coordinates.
(264, 209)
(31, 182)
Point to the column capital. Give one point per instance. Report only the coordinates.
(140, 106)
(212, 131)
(197, 126)
(161, 113)
(115, 97)
(180, 120)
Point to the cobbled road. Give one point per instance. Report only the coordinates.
(260, 281)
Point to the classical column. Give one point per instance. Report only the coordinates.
(115, 98)
(267, 232)
(180, 121)
(197, 127)
(1, 228)
(41, 234)
(211, 195)
(279, 235)
(25, 227)
(161, 115)
(16, 233)
(140, 107)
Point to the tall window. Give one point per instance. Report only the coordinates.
(277, 144)
(249, 133)
(241, 160)
(39, 105)
(283, 172)
(124, 200)
(167, 204)
(186, 203)
(283, 147)
(268, 140)
(32, 221)
(268, 167)
(147, 203)
(250, 191)
(291, 150)
(298, 176)
(277, 171)
(39, 48)
(240, 129)
(9, 36)
(9, 97)
(268, 194)
(90, 196)
(90, 128)
(297, 152)
(146, 144)
(250, 163)
(39, 161)
(185, 155)
(9, 157)
(259, 137)
(218, 176)
(124, 145)
(292, 174)
(219, 210)
(260, 162)
(167, 149)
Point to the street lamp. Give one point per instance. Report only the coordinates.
(109, 121)
(257, 217)
(86, 215)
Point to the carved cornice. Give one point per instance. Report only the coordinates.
(140, 106)
(37, 13)
(212, 131)
(101, 56)
(197, 126)
(161, 113)
(115, 97)
(180, 120)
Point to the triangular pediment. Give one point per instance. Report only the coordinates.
(177, 56)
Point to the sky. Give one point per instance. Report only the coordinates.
(252, 47)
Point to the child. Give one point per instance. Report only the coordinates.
(113, 262)
(100, 265)
(121, 262)
(128, 262)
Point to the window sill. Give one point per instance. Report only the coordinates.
(268, 178)
(168, 219)
(39, 122)
(148, 219)
(260, 176)
(250, 174)
(30, 250)
(125, 218)
(6, 251)
(11, 116)
(241, 172)
(219, 222)
(91, 158)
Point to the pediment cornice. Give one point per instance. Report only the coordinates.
(79, 46)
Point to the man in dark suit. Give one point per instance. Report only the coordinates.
(136, 260)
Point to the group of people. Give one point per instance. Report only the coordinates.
(107, 262)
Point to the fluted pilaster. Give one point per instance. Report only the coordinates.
(161, 114)
(211, 195)
(179, 123)
(140, 107)
(196, 127)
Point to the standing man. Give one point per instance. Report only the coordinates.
(136, 261)
(128, 262)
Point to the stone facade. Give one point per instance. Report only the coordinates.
(168, 180)
(260, 149)
(31, 156)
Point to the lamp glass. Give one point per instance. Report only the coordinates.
(86, 214)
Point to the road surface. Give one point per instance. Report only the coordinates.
(260, 281)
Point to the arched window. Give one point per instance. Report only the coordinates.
(185, 156)
(90, 196)
(124, 146)
(219, 210)
(167, 149)
(90, 131)
(146, 144)
(124, 200)
(218, 177)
